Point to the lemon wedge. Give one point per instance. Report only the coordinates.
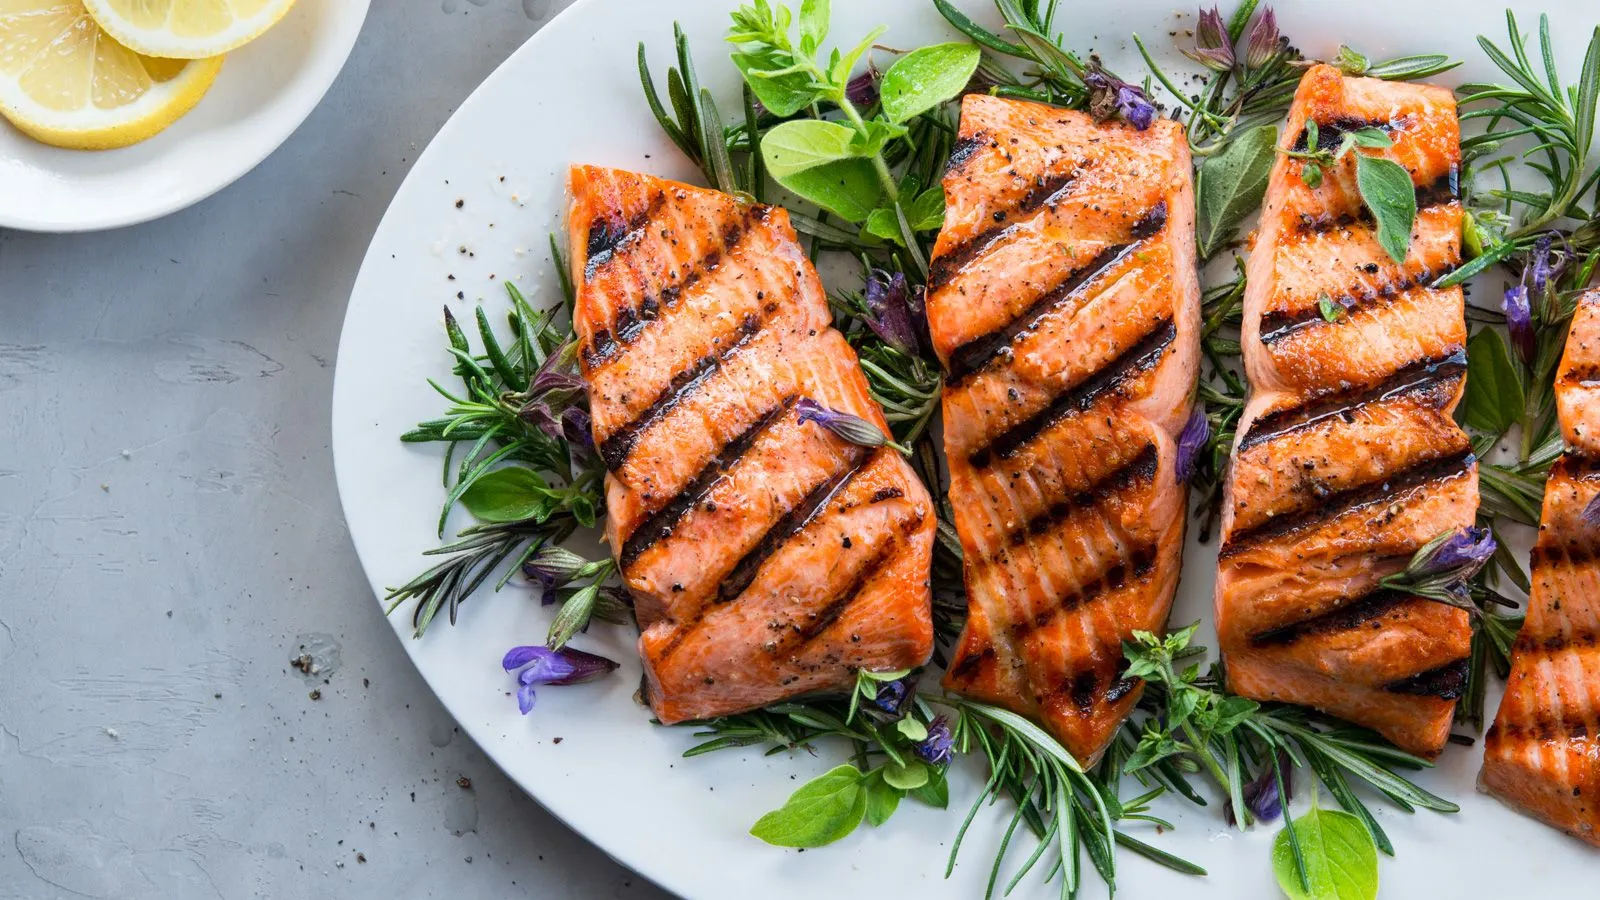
(65, 82)
(186, 29)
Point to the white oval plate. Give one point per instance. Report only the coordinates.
(589, 753)
(266, 89)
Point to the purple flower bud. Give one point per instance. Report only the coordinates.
(1111, 97)
(553, 567)
(575, 427)
(1464, 552)
(1539, 267)
(541, 665)
(1261, 793)
(1519, 322)
(862, 90)
(1265, 43)
(1212, 47)
(845, 426)
(1191, 441)
(937, 748)
(1591, 513)
(889, 311)
(892, 695)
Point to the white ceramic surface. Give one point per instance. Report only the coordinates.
(266, 89)
(589, 753)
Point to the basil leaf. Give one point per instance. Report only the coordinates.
(848, 188)
(509, 495)
(783, 95)
(926, 213)
(936, 793)
(882, 800)
(1386, 189)
(804, 144)
(927, 77)
(1494, 396)
(1340, 857)
(883, 224)
(909, 777)
(1231, 184)
(814, 17)
(822, 811)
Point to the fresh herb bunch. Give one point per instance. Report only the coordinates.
(528, 472)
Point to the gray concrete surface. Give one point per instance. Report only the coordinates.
(170, 536)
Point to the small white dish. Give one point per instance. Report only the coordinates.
(266, 89)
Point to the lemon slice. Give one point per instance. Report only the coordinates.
(65, 82)
(186, 29)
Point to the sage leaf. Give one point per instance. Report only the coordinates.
(794, 147)
(822, 811)
(1340, 857)
(848, 188)
(509, 495)
(882, 801)
(927, 77)
(1494, 396)
(1231, 184)
(1386, 189)
(783, 95)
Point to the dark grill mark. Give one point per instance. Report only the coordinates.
(1572, 553)
(1139, 565)
(1393, 489)
(660, 525)
(1434, 380)
(1120, 688)
(1443, 190)
(978, 353)
(1275, 326)
(971, 663)
(1584, 375)
(1047, 190)
(1352, 614)
(1142, 357)
(837, 606)
(791, 524)
(607, 234)
(1331, 133)
(631, 322)
(1447, 682)
(1139, 470)
(1085, 685)
(1542, 728)
(615, 448)
(962, 151)
(1555, 643)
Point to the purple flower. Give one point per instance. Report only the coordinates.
(845, 426)
(1212, 47)
(1519, 322)
(1193, 440)
(894, 311)
(1111, 97)
(1591, 513)
(1261, 793)
(1540, 269)
(540, 665)
(892, 695)
(937, 748)
(862, 90)
(553, 567)
(575, 427)
(1265, 43)
(1463, 552)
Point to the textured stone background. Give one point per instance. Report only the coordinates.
(170, 537)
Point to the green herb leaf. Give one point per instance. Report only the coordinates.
(509, 495)
(1311, 174)
(908, 777)
(927, 77)
(794, 147)
(874, 136)
(1340, 857)
(936, 793)
(814, 16)
(1370, 136)
(1494, 397)
(1230, 185)
(912, 728)
(784, 95)
(882, 800)
(822, 811)
(848, 188)
(1331, 310)
(1387, 191)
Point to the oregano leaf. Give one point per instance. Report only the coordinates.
(927, 77)
(1387, 191)
(1340, 858)
(796, 146)
(822, 811)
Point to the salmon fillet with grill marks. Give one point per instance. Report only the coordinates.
(1064, 304)
(1542, 754)
(767, 558)
(1348, 458)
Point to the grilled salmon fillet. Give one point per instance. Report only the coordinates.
(1064, 304)
(1542, 754)
(767, 557)
(1348, 458)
